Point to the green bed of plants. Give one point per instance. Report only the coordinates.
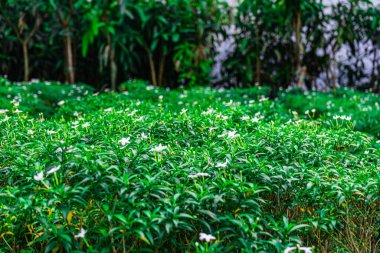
(363, 108)
(199, 170)
(37, 97)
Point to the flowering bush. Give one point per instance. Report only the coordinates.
(363, 109)
(197, 170)
(37, 97)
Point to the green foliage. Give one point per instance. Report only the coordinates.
(38, 97)
(266, 50)
(363, 108)
(173, 42)
(111, 41)
(151, 169)
(193, 64)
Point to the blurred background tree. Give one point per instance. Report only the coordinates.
(280, 43)
(21, 21)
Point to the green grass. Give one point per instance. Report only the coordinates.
(234, 165)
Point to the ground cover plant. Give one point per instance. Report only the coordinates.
(362, 108)
(37, 97)
(189, 170)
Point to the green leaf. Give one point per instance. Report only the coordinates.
(143, 237)
(298, 227)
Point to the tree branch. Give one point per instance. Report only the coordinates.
(37, 24)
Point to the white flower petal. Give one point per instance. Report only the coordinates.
(39, 176)
(81, 234)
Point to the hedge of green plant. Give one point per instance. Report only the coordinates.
(363, 108)
(38, 97)
(199, 170)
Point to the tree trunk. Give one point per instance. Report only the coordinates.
(152, 70)
(333, 75)
(299, 47)
(113, 67)
(70, 71)
(373, 75)
(161, 70)
(302, 77)
(153, 74)
(258, 62)
(26, 61)
(258, 70)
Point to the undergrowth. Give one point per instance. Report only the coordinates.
(199, 170)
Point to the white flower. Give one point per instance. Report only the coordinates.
(304, 249)
(212, 129)
(229, 103)
(222, 165)
(39, 176)
(313, 110)
(50, 132)
(232, 134)
(343, 117)
(81, 234)
(30, 132)
(255, 120)
(201, 174)
(208, 112)
(140, 119)
(85, 125)
(294, 113)
(125, 141)
(58, 150)
(108, 109)
(159, 148)
(132, 113)
(17, 111)
(144, 136)
(60, 103)
(245, 118)
(2, 111)
(307, 112)
(183, 111)
(221, 135)
(54, 169)
(206, 237)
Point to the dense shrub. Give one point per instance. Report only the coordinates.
(38, 97)
(363, 108)
(151, 171)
